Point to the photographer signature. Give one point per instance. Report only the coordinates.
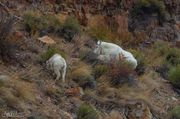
(13, 114)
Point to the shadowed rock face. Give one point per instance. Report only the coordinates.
(172, 6)
(167, 33)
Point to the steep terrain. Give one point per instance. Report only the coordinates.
(149, 29)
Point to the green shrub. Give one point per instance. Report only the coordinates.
(175, 113)
(174, 76)
(170, 57)
(149, 7)
(86, 112)
(49, 53)
(82, 74)
(52, 21)
(161, 47)
(171, 54)
(70, 28)
(100, 70)
(35, 23)
(99, 32)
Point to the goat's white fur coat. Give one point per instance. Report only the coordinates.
(108, 51)
(57, 64)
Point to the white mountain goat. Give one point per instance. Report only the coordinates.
(58, 65)
(108, 51)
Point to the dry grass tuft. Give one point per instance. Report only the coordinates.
(121, 35)
(81, 73)
(94, 20)
(35, 23)
(10, 99)
(107, 91)
(100, 30)
(73, 49)
(53, 91)
(100, 69)
(121, 73)
(129, 40)
(81, 69)
(16, 92)
(24, 91)
(114, 115)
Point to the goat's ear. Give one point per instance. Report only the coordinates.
(99, 42)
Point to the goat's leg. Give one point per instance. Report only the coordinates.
(58, 74)
(63, 74)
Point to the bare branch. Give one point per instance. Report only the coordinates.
(5, 8)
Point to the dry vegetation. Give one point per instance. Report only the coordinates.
(113, 87)
(16, 92)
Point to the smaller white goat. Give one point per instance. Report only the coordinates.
(57, 64)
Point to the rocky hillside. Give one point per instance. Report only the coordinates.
(31, 31)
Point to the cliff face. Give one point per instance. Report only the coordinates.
(118, 14)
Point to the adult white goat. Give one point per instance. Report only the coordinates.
(57, 64)
(108, 51)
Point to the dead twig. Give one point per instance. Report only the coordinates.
(5, 8)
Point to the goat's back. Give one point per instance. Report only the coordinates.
(57, 59)
(110, 48)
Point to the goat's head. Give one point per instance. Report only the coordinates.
(97, 49)
(47, 64)
(91, 42)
